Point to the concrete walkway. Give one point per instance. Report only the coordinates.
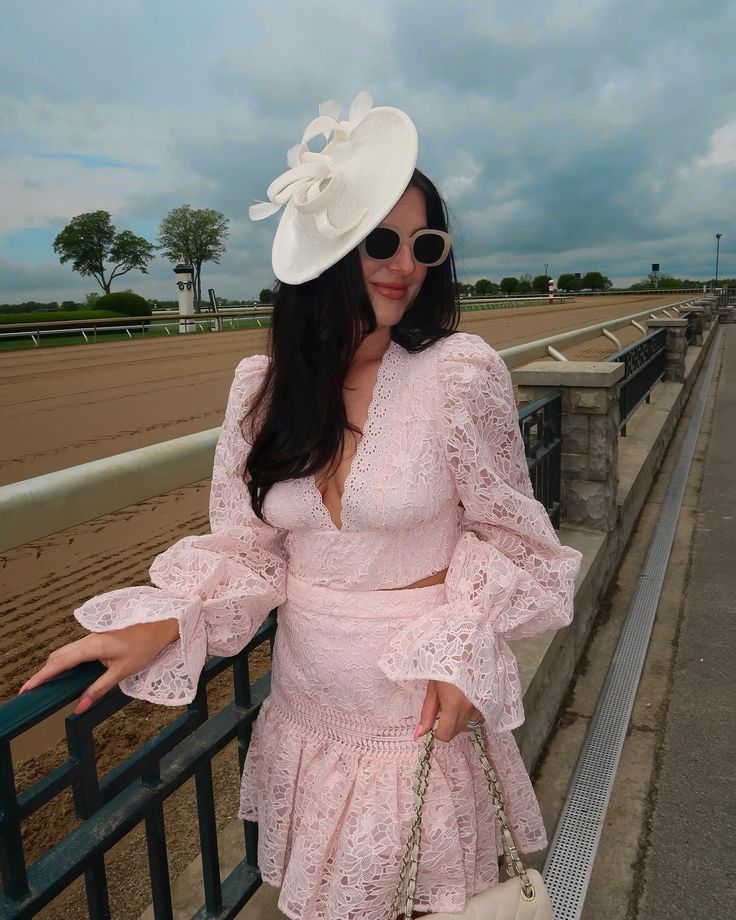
(689, 863)
(669, 827)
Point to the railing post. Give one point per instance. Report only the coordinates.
(696, 313)
(708, 313)
(12, 858)
(590, 415)
(676, 346)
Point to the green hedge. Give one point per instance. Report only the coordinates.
(125, 303)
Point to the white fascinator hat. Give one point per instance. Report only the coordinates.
(333, 198)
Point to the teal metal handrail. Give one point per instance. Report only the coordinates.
(133, 792)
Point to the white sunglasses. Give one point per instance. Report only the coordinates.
(429, 247)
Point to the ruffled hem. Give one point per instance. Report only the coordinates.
(332, 794)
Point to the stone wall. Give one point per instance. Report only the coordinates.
(604, 512)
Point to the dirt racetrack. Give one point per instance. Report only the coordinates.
(63, 406)
(67, 405)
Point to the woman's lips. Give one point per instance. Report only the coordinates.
(392, 291)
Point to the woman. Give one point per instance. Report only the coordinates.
(369, 480)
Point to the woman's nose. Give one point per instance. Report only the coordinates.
(403, 261)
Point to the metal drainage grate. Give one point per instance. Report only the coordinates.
(572, 852)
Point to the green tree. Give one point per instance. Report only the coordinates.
(266, 296)
(483, 287)
(540, 284)
(568, 282)
(195, 235)
(524, 286)
(89, 240)
(462, 289)
(595, 281)
(509, 285)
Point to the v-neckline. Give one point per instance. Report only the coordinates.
(367, 431)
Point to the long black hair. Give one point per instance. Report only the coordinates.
(316, 330)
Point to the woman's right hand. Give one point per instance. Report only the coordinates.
(122, 651)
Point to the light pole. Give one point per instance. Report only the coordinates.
(718, 251)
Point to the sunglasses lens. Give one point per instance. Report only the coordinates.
(428, 248)
(382, 243)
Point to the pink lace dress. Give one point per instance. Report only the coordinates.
(439, 480)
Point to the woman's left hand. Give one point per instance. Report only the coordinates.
(454, 707)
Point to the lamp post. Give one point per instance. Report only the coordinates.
(718, 251)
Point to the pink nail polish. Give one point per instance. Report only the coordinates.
(417, 731)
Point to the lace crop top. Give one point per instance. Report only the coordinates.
(439, 479)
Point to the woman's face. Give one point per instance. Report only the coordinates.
(392, 285)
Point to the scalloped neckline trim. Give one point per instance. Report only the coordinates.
(384, 395)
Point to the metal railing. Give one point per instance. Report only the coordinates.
(133, 792)
(693, 325)
(541, 429)
(90, 329)
(644, 367)
(495, 303)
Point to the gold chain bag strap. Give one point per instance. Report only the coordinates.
(522, 897)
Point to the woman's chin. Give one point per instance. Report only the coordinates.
(389, 314)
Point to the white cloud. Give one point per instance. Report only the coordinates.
(722, 150)
(42, 191)
(607, 125)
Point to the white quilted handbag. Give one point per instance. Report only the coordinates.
(522, 897)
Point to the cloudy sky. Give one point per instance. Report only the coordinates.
(588, 134)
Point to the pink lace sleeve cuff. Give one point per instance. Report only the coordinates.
(218, 600)
(459, 643)
(463, 642)
(458, 647)
(171, 678)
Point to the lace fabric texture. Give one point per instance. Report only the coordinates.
(330, 769)
(439, 479)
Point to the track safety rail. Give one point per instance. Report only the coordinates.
(197, 321)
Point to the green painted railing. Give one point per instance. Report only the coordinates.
(133, 792)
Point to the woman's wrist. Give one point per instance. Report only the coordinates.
(168, 631)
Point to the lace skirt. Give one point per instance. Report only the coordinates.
(330, 768)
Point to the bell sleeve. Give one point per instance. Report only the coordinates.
(509, 575)
(219, 587)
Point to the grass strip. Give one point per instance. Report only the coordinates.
(74, 337)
